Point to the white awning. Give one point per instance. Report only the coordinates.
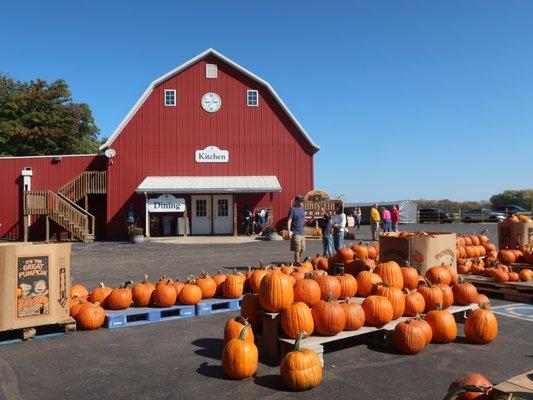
(209, 184)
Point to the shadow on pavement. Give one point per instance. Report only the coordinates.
(272, 382)
(212, 371)
(210, 347)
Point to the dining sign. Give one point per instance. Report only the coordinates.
(165, 203)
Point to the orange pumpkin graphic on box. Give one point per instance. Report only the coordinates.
(419, 257)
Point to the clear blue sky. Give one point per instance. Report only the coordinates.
(408, 99)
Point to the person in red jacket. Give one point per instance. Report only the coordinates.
(395, 217)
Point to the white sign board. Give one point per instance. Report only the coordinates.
(211, 154)
(165, 203)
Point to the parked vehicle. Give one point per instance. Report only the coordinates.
(435, 215)
(512, 209)
(482, 215)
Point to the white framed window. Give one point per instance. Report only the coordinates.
(252, 98)
(211, 71)
(170, 97)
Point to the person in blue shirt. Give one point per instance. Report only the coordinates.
(295, 226)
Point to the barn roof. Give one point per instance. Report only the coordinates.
(187, 64)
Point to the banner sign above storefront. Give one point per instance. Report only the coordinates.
(316, 200)
(165, 203)
(211, 154)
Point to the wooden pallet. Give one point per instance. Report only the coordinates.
(517, 267)
(37, 332)
(274, 345)
(521, 386)
(514, 291)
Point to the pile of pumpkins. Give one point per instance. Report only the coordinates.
(495, 264)
(87, 308)
(311, 301)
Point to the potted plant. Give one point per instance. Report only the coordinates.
(136, 234)
(270, 233)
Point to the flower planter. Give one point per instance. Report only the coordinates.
(136, 239)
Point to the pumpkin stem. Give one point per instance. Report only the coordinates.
(329, 298)
(191, 279)
(307, 259)
(428, 283)
(96, 304)
(461, 280)
(465, 389)
(244, 331)
(125, 284)
(298, 340)
(177, 278)
(241, 320)
(383, 284)
(261, 264)
(102, 285)
(438, 307)
(308, 275)
(347, 300)
(219, 272)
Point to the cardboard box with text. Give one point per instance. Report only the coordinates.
(511, 235)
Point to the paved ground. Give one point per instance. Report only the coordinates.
(180, 359)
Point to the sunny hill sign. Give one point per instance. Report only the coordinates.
(315, 201)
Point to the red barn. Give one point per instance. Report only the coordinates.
(203, 141)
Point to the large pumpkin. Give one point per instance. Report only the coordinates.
(207, 285)
(301, 369)
(464, 293)
(438, 275)
(240, 357)
(373, 251)
(165, 295)
(320, 262)
(90, 316)
(348, 285)
(506, 256)
(276, 292)
(329, 317)
(177, 286)
(447, 295)
(76, 305)
(190, 293)
(355, 315)
(234, 327)
(360, 251)
(378, 310)
(442, 324)
(297, 318)
(100, 294)
(453, 274)
(366, 283)
(414, 303)
(358, 265)
(78, 291)
(257, 277)
(233, 286)
(142, 292)
(307, 290)
(460, 385)
(219, 279)
(249, 310)
(120, 298)
(329, 284)
(390, 273)
(344, 255)
(410, 278)
(432, 295)
(409, 337)
(525, 275)
(481, 325)
(395, 296)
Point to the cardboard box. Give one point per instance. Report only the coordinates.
(511, 235)
(420, 252)
(34, 284)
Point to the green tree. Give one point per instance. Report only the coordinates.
(40, 118)
(522, 198)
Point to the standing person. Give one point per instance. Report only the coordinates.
(375, 219)
(131, 217)
(358, 216)
(325, 223)
(339, 226)
(395, 216)
(247, 220)
(295, 226)
(387, 223)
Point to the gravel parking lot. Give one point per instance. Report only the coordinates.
(181, 359)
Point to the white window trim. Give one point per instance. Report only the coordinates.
(207, 66)
(165, 97)
(257, 96)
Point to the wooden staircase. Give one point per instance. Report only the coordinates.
(61, 207)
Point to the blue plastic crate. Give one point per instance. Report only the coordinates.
(213, 306)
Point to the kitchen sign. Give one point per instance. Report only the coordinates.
(211, 154)
(165, 203)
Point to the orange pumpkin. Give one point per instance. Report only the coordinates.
(348, 285)
(366, 283)
(395, 296)
(78, 291)
(120, 298)
(276, 292)
(360, 251)
(442, 324)
(100, 294)
(219, 279)
(207, 285)
(464, 293)
(234, 327)
(481, 325)
(233, 286)
(307, 290)
(439, 274)
(447, 295)
(410, 278)
(355, 315)
(249, 310)
(297, 318)
(344, 255)
(409, 337)
(390, 273)
(165, 295)
(432, 295)
(329, 284)
(142, 292)
(240, 356)
(90, 316)
(414, 303)
(329, 318)
(190, 293)
(378, 310)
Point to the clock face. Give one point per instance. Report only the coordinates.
(211, 102)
